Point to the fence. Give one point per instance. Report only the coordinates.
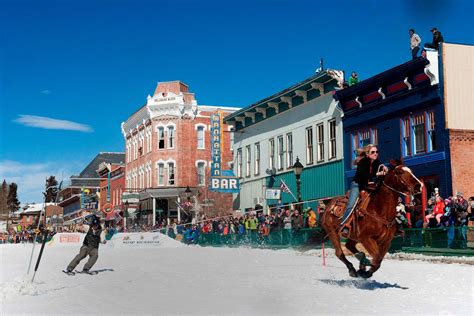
(442, 241)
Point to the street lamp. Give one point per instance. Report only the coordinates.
(125, 216)
(188, 193)
(298, 169)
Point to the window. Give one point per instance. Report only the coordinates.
(406, 137)
(170, 136)
(320, 138)
(161, 137)
(248, 159)
(271, 148)
(239, 162)
(309, 146)
(257, 159)
(332, 139)
(418, 134)
(170, 173)
(200, 137)
(431, 132)
(289, 150)
(280, 153)
(201, 173)
(362, 138)
(231, 129)
(161, 174)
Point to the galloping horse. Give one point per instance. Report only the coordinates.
(375, 224)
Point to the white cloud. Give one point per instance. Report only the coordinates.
(46, 92)
(31, 178)
(50, 123)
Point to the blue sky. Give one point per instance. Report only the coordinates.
(72, 71)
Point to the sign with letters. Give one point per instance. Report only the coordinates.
(221, 180)
(272, 194)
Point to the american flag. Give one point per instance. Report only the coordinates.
(284, 187)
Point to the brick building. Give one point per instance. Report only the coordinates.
(112, 186)
(167, 145)
(78, 197)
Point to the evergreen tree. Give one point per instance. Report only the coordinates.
(51, 189)
(3, 199)
(12, 199)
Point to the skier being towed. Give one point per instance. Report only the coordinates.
(90, 247)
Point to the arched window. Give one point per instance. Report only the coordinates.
(171, 173)
(161, 174)
(200, 137)
(170, 136)
(161, 137)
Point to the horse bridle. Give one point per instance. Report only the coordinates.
(393, 189)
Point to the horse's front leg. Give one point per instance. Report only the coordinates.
(334, 237)
(377, 251)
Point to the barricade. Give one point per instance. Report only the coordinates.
(441, 241)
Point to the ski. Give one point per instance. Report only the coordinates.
(70, 273)
(86, 272)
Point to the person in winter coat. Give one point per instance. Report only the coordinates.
(311, 218)
(368, 164)
(438, 210)
(437, 38)
(90, 246)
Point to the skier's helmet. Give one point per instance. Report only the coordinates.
(95, 222)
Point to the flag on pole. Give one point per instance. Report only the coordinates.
(284, 187)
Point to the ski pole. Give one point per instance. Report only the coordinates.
(45, 234)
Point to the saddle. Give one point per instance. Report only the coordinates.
(359, 211)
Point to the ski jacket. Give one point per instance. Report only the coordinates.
(93, 238)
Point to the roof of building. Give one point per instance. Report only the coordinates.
(299, 93)
(381, 79)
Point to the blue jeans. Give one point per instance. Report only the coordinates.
(353, 196)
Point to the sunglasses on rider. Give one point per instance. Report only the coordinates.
(374, 152)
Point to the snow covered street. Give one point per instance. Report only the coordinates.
(174, 279)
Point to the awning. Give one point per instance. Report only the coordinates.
(161, 193)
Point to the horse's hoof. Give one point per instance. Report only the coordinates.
(353, 273)
(364, 274)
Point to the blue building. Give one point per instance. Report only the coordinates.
(408, 113)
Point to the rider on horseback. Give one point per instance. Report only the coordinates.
(367, 168)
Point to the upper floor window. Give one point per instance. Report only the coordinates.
(161, 137)
(231, 130)
(289, 150)
(201, 169)
(239, 162)
(271, 156)
(248, 160)
(171, 173)
(309, 146)
(362, 138)
(161, 174)
(200, 137)
(281, 153)
(320, 137)
(332, 139)
(418, 134)
(170, 136)
(257, 159)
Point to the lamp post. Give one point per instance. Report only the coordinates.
(298, 169)
(125, 215)
(188, 192)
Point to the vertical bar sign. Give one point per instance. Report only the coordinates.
(216, 144)
(108, 186)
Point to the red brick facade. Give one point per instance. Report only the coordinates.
(143, 159)
(462, 161)
(111, 198)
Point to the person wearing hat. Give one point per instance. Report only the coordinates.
(437, 38)
(90, 246)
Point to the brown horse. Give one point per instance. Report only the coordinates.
(373, 225)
